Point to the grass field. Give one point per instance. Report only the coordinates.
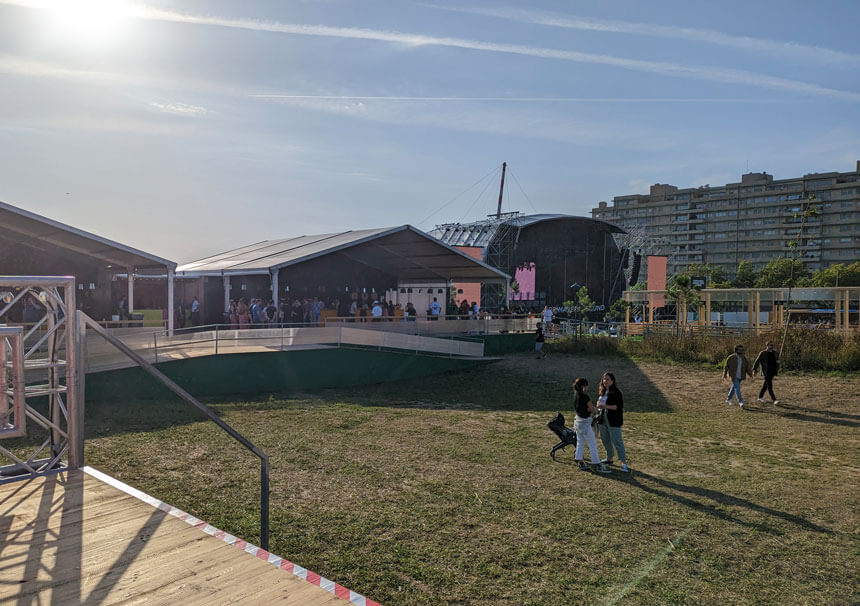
(441, 490)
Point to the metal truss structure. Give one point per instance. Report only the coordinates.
(39, 372)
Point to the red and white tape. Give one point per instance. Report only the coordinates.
(282, 563)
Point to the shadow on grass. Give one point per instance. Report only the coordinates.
(669, 490)
(830, 420)
(518, 383)
(826, 413)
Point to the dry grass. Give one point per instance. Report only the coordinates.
(441, 490)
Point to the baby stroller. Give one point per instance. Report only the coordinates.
(565, 434)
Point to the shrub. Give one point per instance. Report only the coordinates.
(804, 349)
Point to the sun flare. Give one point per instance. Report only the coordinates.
(93, 23)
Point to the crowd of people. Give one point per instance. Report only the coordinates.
(258, 313)
(255, 312)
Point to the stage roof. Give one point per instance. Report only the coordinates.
(404, 252)
(480, 233)
(19, 227)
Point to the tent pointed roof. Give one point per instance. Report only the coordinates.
(403, 251)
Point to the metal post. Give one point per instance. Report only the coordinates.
(130, 271)
(216, 339)
(274, 284)
(76, 377)
(837, 310)
(170, 277)
(226, 280)
(264, 502)
(155, 345)
(54, 411)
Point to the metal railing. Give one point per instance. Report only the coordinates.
(444, 325)
(184, 395)
(214, 340)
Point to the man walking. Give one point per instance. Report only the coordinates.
(736, 368)
(768, 360)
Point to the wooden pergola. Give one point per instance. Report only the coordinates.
(754, 301)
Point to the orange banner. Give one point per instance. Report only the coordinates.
(657, 279)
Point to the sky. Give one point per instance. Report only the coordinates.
(189, 128)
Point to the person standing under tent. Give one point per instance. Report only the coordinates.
(195, 312)
(435, 309)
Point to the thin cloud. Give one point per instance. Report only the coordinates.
(529, 99)
(489, 119)
(17, 66)
(803, 53)
(724, 75)
(729, 76)
(179, 109)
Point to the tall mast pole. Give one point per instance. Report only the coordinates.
(501, 191)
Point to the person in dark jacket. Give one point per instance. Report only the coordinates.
(539, 341)
(768, 361)
(611, 400)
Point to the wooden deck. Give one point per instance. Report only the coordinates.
(70, 538)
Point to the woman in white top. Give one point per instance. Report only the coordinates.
(582, 427)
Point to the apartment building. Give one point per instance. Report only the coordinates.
(753, 220)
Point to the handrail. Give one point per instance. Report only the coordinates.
(264, 459)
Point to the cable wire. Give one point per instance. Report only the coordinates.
(454, 199)
(517, 181)
(479, 196)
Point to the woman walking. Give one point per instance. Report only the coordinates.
(582, 427)
(612, 402)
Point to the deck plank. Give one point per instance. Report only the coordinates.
(70, 538)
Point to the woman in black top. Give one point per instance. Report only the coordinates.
(612, 402)
(582, 427)
(539, 340)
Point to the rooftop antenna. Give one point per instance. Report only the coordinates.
(501, 191)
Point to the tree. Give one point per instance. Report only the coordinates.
(781, 273)
(808, 211)
(617, 310)
(584, 301)
(837, 275)
(746, 276)
(712, 273)
(684, 296)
